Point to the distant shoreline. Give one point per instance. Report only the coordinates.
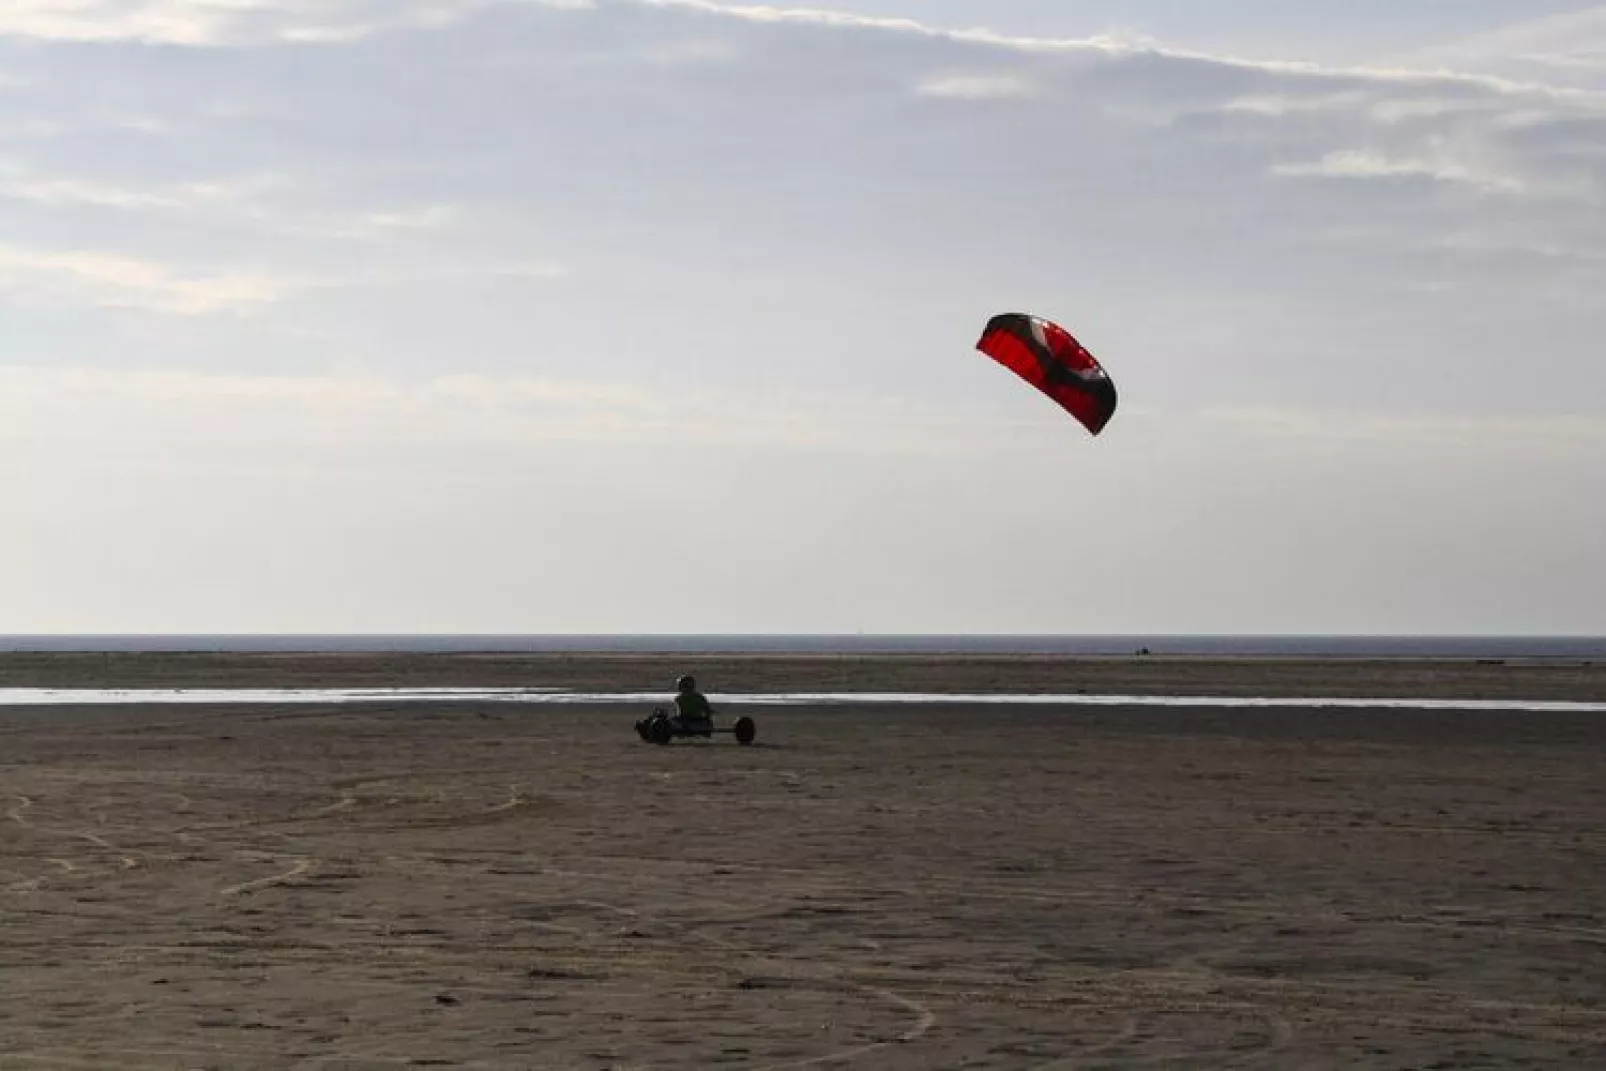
(1390, 678)
(1111, 645)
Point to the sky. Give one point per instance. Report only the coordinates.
(658, 316)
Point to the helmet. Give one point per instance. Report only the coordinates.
(686, 684)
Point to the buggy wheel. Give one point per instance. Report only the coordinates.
(745, 730)
(660, 732)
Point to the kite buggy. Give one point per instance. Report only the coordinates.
(693, 717)
(663, 727)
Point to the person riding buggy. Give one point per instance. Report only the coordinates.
(693, 716)
(693, 712)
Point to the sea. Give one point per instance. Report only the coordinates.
(1345, 646)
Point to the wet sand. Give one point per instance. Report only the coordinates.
(1528, 679)
(480, 885)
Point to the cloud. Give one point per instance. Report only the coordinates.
(1566, 50)
(425, 218)
(1369, 165)
(177, 22)
(198, 22)
(264, 201)
(184, 197)
(1569, 433)
(975, 87)
(115, 281)
(319, 243)
(1423, 70)
(110, 280)
(236, 23)
(23, 128)
(792, 176)
(186, 407)
(1483, 243)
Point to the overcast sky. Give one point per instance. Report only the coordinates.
(631, 316)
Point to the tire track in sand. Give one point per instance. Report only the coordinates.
(1279, 1035)
(925, 1020)
(304, 865)
(925, 1017)
(18, 814)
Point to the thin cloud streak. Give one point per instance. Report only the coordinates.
(241, 23)
(1136, 47)
(1367, 165)
(975, 87)
(116, 281)
(176, 406)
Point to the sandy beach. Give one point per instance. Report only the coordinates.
(939, 886)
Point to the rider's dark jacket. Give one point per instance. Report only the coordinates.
(693, 706)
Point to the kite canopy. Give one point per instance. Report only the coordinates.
(1045, 355)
